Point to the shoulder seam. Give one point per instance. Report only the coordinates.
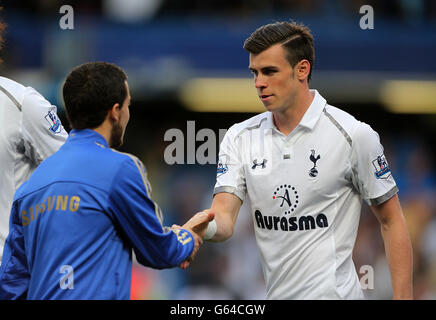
(339, 127)
(252, 127)
(139, 166)
(11, 97)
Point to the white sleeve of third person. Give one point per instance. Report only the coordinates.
(371, 172)
(230, 176)
(41, 127)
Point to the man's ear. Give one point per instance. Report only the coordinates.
(114, 113)
(302, 69)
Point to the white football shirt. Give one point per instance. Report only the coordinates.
(30, 131)
(306, 193)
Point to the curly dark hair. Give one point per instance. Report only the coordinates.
(90, 91)
(3, 26)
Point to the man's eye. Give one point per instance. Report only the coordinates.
(269, 72)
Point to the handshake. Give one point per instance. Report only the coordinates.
(197, 226)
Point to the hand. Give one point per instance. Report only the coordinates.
(197, 225)
(199, 222)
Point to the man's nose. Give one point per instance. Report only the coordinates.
(260, 82)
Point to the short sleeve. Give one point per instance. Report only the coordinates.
(230, 170)
(42, 129)
(371, 173)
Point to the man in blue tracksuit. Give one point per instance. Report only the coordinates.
(75, 221)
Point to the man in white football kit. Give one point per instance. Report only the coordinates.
(305, 167)
(30, 131)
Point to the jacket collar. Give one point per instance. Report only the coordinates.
(88, 135)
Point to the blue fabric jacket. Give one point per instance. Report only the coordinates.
(75, 221)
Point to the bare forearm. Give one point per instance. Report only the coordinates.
(399, 255)
(224, 227)
(225, 206)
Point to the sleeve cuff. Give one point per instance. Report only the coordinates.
(231, 190)
(383, 198)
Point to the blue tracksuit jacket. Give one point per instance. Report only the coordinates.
(75, 221)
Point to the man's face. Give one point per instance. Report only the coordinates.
(119, 128)
(274, 78)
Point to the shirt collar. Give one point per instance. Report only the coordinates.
(314, 111)
(311, 115)
(88, 135)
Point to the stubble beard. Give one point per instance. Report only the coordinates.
(116, 138)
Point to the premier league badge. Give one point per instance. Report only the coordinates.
(54, 122)
(382, 170)
(222, 166)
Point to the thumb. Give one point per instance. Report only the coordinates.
(206, 219)
(201, 227)
(210, 216)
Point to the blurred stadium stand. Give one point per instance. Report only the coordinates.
(180, 57)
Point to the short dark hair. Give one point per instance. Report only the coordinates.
(90, 91)
(3, 26)
(295, 38)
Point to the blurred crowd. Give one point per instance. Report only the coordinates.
(140, 10)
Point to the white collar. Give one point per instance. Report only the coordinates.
(311, 115)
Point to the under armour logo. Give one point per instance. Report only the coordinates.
(313, 172)
(255, 164)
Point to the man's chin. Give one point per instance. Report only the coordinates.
(269, 106)
(117, 137)
(116, 144)
(116, 141)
